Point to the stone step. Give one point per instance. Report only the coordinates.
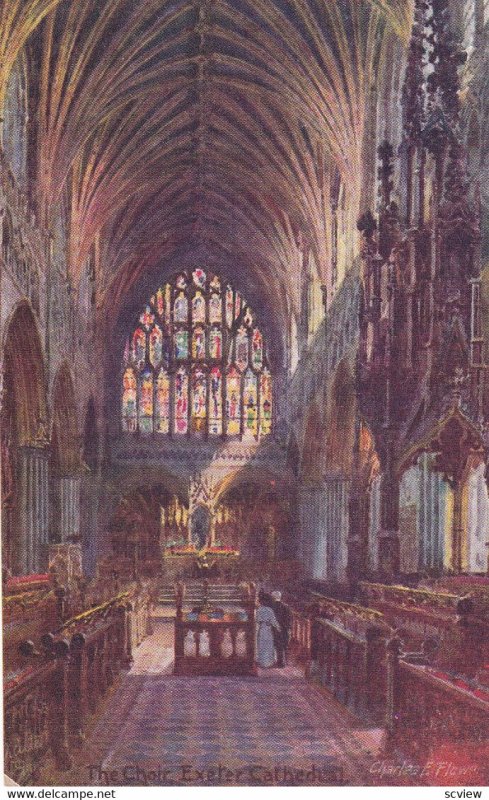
(189, 597)
(192, 590)
(194, 593)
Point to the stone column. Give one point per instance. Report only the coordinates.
(70, 507)
(431, 515)
(30, 555)
(457, 527)
(358, 529)
(336, 524)
(313, 533)
(89, 498)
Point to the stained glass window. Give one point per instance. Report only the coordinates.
(242, 349)
(198, 344)
(215, 401)
(181, 344)
(147, 318)
(198, 308)
(139, 347)
(199, 399)
(257, 349)
(129, 407)
(199, 277)
(181, 401)
(266, 402)
(215, 344)
(159, 302)
(233, 402)
(167, 302)
(250, 400)
(215, 308)
(155, 345)
(181, 308)
(196, 363)
(237, 305)
(162, 417)
(146, 402)
(229, 307)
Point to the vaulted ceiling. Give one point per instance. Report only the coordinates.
(200, 129)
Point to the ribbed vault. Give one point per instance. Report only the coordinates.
(208, 127)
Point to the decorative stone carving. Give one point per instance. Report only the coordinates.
(420, 312)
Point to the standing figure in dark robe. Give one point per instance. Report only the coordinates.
(284, 618)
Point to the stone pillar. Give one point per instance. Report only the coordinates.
(336, 523)
(389, 548)
(478, 521)
(67, 492)
(323, 509)
(312, 550)
(89, 497)
(457, 527)
(30, 555)
(70, 507)
(431, 515)
(358, 529)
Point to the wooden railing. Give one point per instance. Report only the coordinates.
(300, 638)
(26, 614)
(49, 699)
(35, 720)
(98, 649)
(354, 617)
(343, 645)
(352, 666)
(429, 712)
(213, 642)
(406, 597)
(360, 659)
(457, 622)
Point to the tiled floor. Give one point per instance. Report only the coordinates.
(159, 729)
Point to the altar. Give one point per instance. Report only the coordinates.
(183, 562)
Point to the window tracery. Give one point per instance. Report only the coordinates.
(196, 363)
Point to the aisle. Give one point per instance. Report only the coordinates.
(277, 728)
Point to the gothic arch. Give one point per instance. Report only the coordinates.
(90, 436)
(65, 436)
(341, 421)
(253, 514)
(261, 477)
(313, 448)
(141, 519)
(24, 374)
(368, 460)
(22, 423)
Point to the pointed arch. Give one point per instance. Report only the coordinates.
(65, 440)
(313, 448)
(341, 420)
(24, 374)
(23, 424)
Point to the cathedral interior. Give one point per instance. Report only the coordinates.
(244, 323)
